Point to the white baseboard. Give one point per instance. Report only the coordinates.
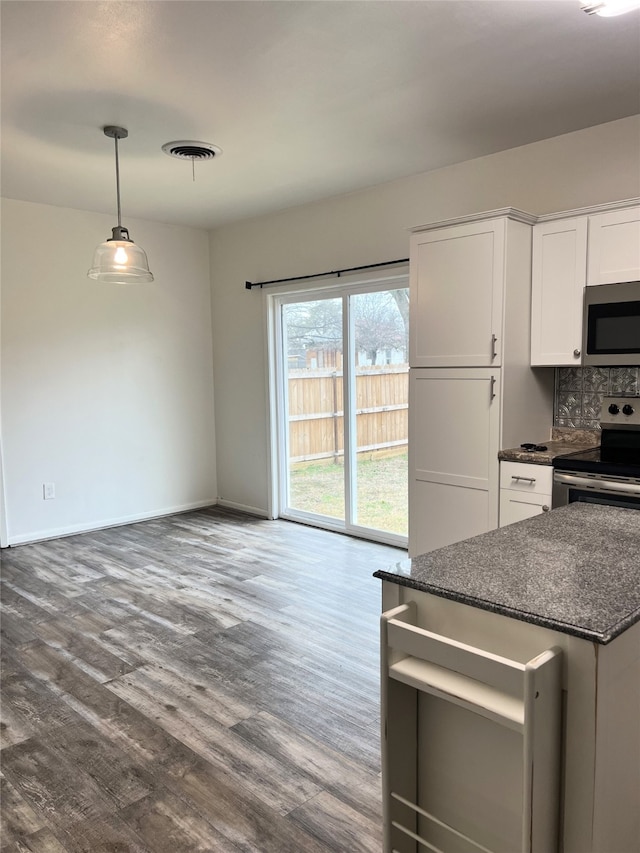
(74, 529)
(250, 510)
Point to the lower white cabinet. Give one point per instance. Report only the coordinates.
(525, 491)
(458, 420)
(463, 762)
(453, 486)
(514, 506)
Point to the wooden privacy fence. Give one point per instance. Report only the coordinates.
(316, 416)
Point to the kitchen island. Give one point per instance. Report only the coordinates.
(565, 584)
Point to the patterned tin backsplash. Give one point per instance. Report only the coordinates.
(579, 392)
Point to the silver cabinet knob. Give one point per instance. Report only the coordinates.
(546, 508)
(576, 353)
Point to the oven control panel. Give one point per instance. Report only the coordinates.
(620, 411)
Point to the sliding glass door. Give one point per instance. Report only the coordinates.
(342, 379)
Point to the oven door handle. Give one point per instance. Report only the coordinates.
(597, 485)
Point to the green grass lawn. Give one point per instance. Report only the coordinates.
(382, 490)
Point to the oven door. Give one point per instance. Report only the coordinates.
(593, 488)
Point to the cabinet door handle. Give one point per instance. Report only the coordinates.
(494, 341)
(526, 479)
(576, 353)
(546, 508)
(493, 387)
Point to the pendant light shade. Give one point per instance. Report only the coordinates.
(118, 260)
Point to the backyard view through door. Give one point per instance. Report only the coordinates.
(344, 383)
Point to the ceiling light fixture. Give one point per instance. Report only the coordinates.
(118, 260)
(610, 8)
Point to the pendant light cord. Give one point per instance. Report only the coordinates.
(115, 139)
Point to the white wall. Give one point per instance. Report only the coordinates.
(592, 166)
(106, 390)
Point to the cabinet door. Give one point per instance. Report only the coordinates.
(516, 506)
(456, 288)
(454, 427)
(557, 289)
(614, 246)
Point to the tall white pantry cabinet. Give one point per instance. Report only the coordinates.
(472, 390)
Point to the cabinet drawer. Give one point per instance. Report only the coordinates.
(525, 477)
(517, 504)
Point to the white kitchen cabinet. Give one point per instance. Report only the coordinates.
(557, 290)
(454, 474)
(525, 491)
(467, 772)
(516, 506)
(571, 250)
(614, 246)
(456, 295)
(472, 390)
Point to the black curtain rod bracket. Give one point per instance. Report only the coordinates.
(249, 285)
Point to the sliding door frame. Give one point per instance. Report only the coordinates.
(277, 407)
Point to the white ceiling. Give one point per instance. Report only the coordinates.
(307, 99)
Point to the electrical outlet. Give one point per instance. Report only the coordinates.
(48, 491)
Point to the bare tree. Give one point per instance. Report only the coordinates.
(378, 323)
(381, 322)
(401, 298)
(314, 325)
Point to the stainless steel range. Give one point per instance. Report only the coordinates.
(609, 474)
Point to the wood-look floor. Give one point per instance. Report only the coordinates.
(203, 682)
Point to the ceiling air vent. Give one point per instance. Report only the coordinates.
(186, 149)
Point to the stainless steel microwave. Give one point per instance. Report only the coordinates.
(611, 325)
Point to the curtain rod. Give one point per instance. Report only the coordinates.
(250, 284)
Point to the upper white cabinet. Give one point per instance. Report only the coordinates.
(592, 247)
(456, 295)
(614, 246)
(557, 287)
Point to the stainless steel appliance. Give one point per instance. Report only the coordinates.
(611, 327)
(609, 474)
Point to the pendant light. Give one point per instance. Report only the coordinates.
(118, 260)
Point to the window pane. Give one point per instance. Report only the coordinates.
(313, 335)
(381, 335)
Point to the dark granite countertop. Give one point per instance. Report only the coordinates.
(563, 440)
(575, 569)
